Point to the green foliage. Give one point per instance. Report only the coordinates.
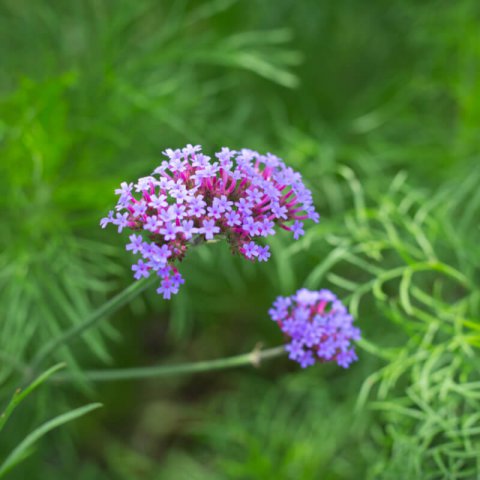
(24, 449)
(377, 105)
(426, 393)
(279, 434)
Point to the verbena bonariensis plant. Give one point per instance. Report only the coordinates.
(318, 325)
(241, 196)
(188, 199)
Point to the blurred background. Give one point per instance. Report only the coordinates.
(377, 103)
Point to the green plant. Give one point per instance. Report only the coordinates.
(24, 448)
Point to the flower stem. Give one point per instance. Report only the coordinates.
(253, 358)
(105, 310)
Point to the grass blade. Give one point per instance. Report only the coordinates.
(25, 447)
(20, 395)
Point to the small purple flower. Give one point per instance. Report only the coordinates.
(233, 218)
(177, 279)
(139, 208)
(141, 270)
(177, 164)
(306, 297)
(209, 229)
(307, 359)
(294, 349)
(250, 250)
(250, 226)
(344, 359)
(121, 220)
(169, 231)
(151, 223)
(255, 196)
(167, 288)
(158, 256)
(179, 192)
(214, 211)
(144, 184)
(318, 326)
(188, 229)
(171, 154)
(278, 313)
(263, 253)
(178, 211)
(164, 251)
(280, 211)
(158, 202)
(136, 243)
(245, 206)
(224, 155)
(282, 302)
(312, 214)
(197, 206)
(224, 205)
(106, 220)
(124, 191)
(265, 228)
(191, 150)
(297, 229)
(166, 215)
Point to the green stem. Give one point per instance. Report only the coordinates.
(253, 358)
(105, 310)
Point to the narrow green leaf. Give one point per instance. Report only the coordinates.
(24, 448)
(404, 290)
(20, 395)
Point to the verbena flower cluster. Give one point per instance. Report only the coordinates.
(319, 327)
(240, 196)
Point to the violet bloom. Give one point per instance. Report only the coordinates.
(121, 221)
(209, 229)
(242, 196)
(318, 326)
(250, 250)
(136, 243)
(263, 253)
(141, 270)
(106, 220)
(167, 287)
(169, 232)
(297, 229)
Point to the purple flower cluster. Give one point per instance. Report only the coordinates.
(318, 325)
(240, 196)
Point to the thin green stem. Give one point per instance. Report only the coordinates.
(253, 358)
(104, 311)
